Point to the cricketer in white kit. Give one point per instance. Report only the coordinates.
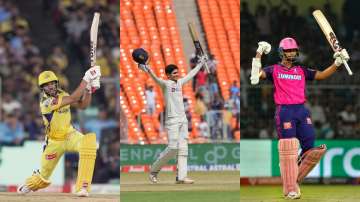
(176, 122)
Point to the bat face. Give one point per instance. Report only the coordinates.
(330, 35)
(197, 44)
(334, 42)
(92, 53)
(93, 38)
(327, 30)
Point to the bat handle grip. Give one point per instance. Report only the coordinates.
(347, 67)
(207, 68)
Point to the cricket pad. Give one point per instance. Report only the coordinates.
(87, 156)
(36, 182)
(288, 150)
(309, 160)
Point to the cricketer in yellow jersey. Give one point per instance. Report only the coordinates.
(61, 136)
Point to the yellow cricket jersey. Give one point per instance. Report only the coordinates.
(57, 120)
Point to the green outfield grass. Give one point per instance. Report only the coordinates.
(208, 187)
(181, 196)
(309, 193)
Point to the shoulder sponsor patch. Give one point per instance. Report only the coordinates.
(50, 156)
(46, 102)
(287, 125)
(308, 120)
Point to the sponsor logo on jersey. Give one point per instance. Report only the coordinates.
(287, 125)
(47, 102)
(308, 120)
(289, 76)
(50, 156)
(63, 110)
(175, 88)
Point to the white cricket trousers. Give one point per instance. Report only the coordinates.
(177, 147)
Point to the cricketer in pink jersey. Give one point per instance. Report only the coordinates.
(292, 119)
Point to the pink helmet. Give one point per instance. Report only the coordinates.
(288, 43)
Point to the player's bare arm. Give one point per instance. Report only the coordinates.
(340, 57)
(75, 96)
(84, 101)
(90, 75)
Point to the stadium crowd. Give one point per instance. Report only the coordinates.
(334, 103)
(21, 61)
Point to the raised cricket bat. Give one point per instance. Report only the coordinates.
(197, 43)
(93, 38)
(329, 34)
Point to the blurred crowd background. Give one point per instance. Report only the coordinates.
(54, 35)
(219, 118)
(335, 102)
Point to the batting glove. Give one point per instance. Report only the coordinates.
(143, 67)
(264, 47)
(93, 85)
(92, 73)
(202, 59)
(340, 57)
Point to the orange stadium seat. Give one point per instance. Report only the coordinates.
(222, 29)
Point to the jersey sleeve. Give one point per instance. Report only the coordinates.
(309, 73)
(50, 104)
(159, 81)
(269, 72)
(190, 75)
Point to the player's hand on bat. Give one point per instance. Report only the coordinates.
(264, 47)
(144, 68)
(92, 73)
(202, 59)
(95, 84)
(340, 57)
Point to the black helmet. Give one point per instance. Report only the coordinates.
(140, 56)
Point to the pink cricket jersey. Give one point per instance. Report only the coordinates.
(289, 83)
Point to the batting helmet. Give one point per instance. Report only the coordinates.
(140, 56)
(46, 77)
(287, 43)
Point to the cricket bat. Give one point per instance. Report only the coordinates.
(93, 38)
(329, 34)
(197, 43)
